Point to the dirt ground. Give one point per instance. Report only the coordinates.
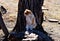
(53, 29)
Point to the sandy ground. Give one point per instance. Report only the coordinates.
(53, 29)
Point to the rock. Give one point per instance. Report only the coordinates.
(52, 20)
